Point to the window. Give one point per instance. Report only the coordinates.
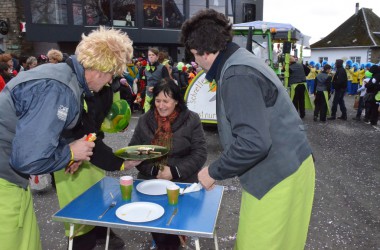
(153, 13)
(174, 14)
(195, 6)
(321, 59)
(124, 13)
(77, 12)
(49, 12)
(218, 5)
(249, 12)
(355, 59)
(97, 12)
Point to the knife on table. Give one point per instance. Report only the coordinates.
(172, 216)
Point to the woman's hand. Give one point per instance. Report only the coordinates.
(165, 174)
(130, 164)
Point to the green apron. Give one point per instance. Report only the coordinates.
(280, 220)
(308, 104)
(326, 95)
(70, 186)
(19, 228)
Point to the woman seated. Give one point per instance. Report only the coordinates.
(171, 124)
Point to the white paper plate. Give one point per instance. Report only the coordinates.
(153, 187)
(140, 212)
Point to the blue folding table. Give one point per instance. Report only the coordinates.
(196, 217)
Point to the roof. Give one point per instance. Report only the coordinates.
(360, 30)
(268, 25)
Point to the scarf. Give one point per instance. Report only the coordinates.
(163, 134)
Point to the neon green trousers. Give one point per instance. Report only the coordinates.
(19, 228)
(280, 220)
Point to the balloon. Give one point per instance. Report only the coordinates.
(117, 118)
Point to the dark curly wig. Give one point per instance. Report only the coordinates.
(208, 31)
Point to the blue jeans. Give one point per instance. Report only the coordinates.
(310, 86)
(339, 99)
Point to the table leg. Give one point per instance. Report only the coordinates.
(196, 241)
(70, 236)
(216, 241)
(107, 238)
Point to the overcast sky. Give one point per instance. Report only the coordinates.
(316, 18)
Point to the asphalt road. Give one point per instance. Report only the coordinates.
(346, 210)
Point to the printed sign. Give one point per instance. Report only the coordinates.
(200, 97)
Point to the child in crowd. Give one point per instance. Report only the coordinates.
(362, 91)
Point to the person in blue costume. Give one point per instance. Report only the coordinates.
(348, 67)
(36, 107)
(310, 78)
(263, 138)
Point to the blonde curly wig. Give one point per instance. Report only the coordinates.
(55, 55)
(105, 50)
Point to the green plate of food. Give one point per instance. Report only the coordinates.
(141, 152)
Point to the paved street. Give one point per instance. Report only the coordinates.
(346, 211)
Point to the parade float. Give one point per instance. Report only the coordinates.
(273, 42)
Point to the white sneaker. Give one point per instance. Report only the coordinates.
(376, 127)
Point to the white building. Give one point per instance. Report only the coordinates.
(358, 39)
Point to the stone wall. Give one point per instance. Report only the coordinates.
(12, 11)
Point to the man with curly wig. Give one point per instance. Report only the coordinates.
(36, 107)
(263, 138)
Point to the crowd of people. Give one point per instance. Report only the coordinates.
(322, 80)
(50, 103)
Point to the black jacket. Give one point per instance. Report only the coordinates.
(188, 152)
(339, 80)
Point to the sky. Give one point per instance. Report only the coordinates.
(316, 18)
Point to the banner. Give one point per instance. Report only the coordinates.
(200, 97)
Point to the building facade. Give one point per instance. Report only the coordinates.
(60, 23)
(358, 39)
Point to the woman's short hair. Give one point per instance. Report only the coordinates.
(30, 61)
(5, 57)
(154, 50)
(105, 50)
(169, 88)
(55, 55)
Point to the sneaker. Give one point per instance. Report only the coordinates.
(344, 118)
(367, 122)
(377, 128)
(331, 118)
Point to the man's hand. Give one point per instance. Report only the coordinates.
(165, 174)
(205, 179)
(82, 149)
(71, 169)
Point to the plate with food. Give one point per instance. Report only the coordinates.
(141, 152)
(140, 212)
